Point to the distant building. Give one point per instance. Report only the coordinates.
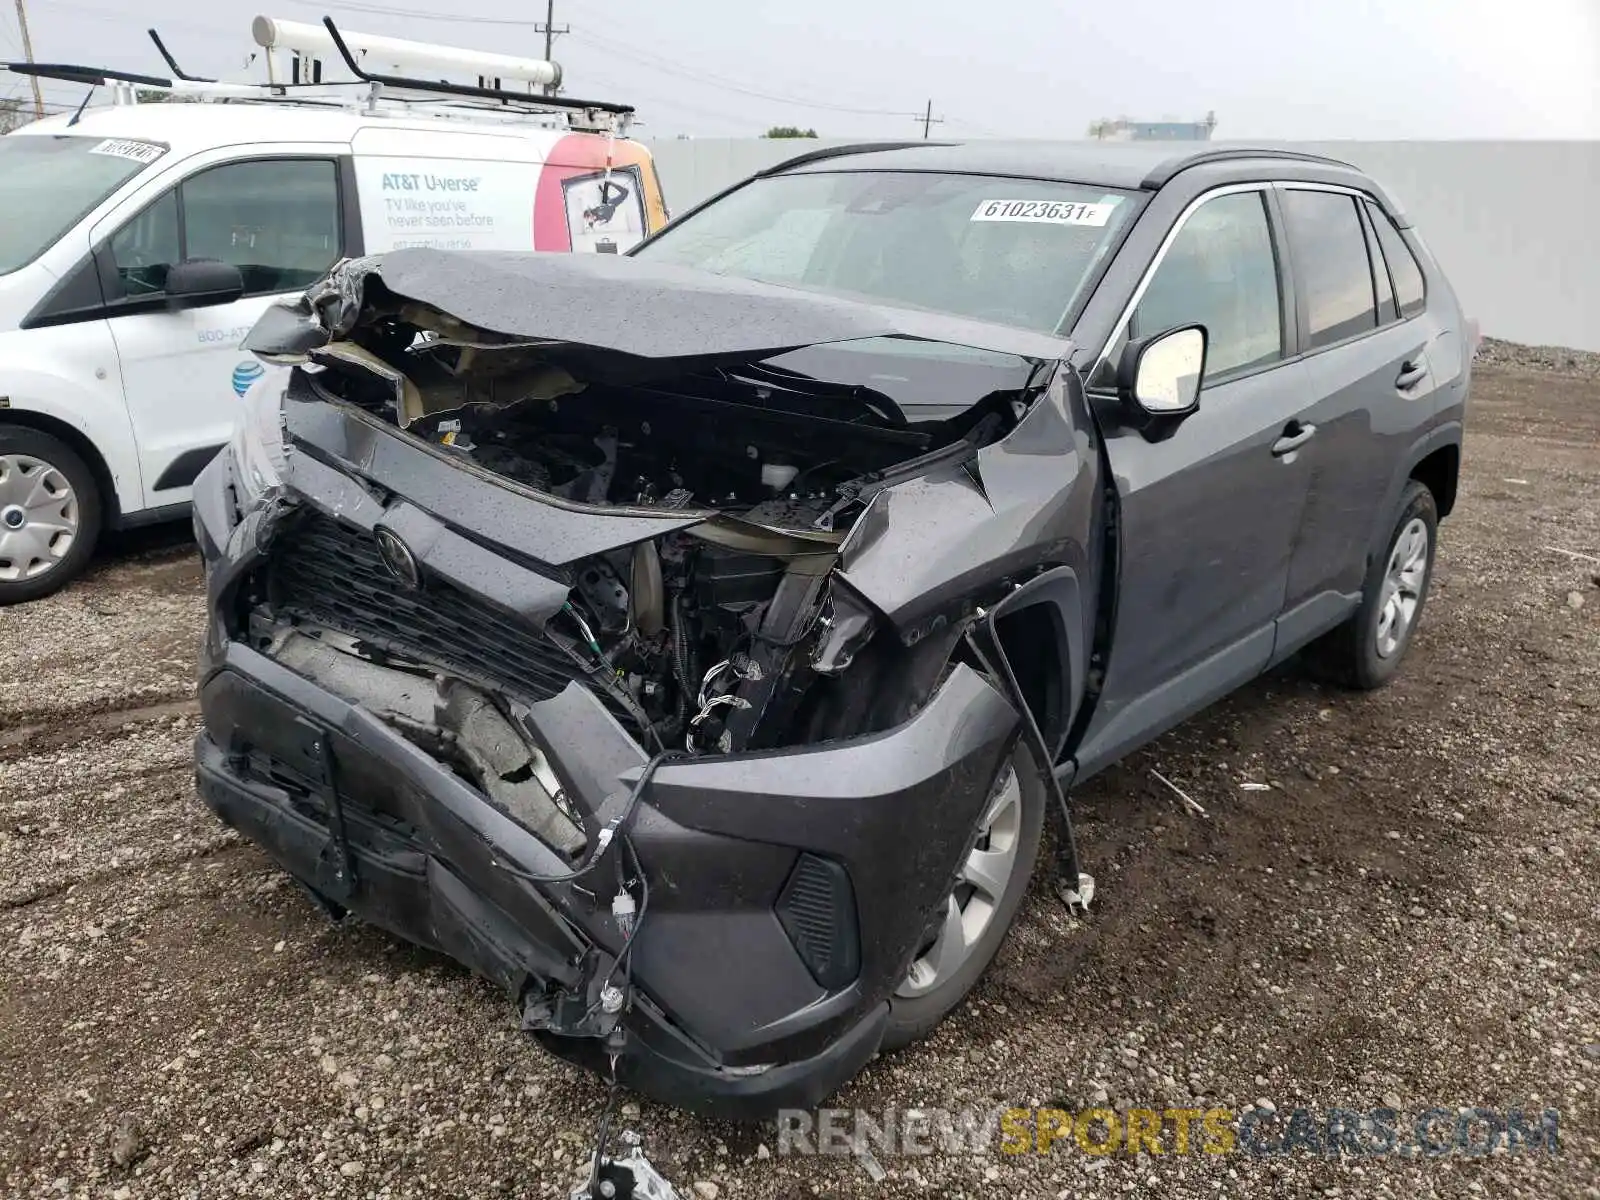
(1124, 130)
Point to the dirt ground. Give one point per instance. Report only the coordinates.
(1408, 915)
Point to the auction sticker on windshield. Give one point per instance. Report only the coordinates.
(140, 152)
(1049, 212)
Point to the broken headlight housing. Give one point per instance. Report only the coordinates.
(259, 462)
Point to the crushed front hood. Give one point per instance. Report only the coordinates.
(623, 305)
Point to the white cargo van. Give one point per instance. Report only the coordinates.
(140, 242)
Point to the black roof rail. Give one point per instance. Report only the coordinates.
(1163, 174)
(465, 89)
(827, 152)
(98, 76)
(172, 63)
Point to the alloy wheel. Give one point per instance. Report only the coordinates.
(1403, 581)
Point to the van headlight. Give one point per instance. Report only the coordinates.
(259, 461)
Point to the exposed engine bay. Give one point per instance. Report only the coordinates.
(720, 636)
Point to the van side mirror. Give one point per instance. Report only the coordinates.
(201, 283)
(1159, 377)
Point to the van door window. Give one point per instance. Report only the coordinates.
(276, 220)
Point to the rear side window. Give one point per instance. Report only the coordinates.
(1332, 269)
(1409, 291)
(276, 220)
(1220, 272)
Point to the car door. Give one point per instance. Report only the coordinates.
(1208, 516)
(278, 219)
(1376, 388)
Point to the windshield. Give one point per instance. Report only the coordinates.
(47, 183)
(1013, 251)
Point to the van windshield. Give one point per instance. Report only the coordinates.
(48, 182)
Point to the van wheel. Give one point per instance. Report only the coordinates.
(49, 514)
(1366, 651)
(969, 927)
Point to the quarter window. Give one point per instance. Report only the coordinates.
(1332, 270)
(1221, 272)
(146, 246)
(1409, 290)
(276, 220)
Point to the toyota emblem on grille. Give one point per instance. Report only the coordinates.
(398, 558)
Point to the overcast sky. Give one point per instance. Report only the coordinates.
(1028, 68)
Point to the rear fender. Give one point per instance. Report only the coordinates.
(1448, 434)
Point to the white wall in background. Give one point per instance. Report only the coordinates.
(1516, 225)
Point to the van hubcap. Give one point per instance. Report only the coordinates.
(38, 517)
(971, 907)
(1402, 586)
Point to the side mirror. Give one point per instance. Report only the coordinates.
(1159, 377)
(202, 282)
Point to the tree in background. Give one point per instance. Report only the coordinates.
(162, 96)
(13, 114)
(789, 131)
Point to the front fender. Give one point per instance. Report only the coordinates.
(929, 544)
(69, 374)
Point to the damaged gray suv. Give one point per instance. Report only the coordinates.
(696, 642)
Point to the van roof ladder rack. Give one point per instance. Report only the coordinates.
(440, 87)
(172, 63)
(453, 98)
(96, 76)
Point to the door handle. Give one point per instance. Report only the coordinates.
(1412, 373)
(1295, 435)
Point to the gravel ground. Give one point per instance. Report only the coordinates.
(1406, 916)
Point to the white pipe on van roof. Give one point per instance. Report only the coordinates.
(387, 54)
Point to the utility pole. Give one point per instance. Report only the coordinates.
(27, 53)
(549, 30)
(927, 118)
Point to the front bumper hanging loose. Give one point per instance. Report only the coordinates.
(788, 889)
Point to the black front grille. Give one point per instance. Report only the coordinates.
(323, 571)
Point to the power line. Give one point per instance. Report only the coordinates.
(653, 63)
(412, 14)
(927, 118)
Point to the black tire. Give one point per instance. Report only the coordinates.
(1349, 655)
(913, 1018)
(16, 440)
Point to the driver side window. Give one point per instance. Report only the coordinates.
(276, 220)
(1220, 272)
